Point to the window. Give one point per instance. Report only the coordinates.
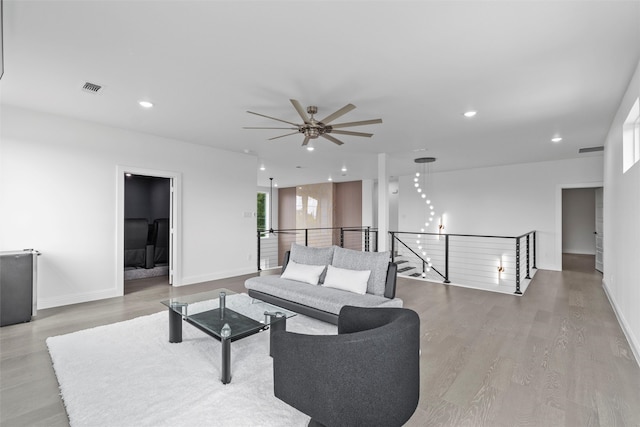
(631, 138)
(261, 213)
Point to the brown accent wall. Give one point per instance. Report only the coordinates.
(348, 211)
(286, 218)
(348, 205)
(326, 205)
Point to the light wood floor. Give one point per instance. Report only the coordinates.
(554, 357)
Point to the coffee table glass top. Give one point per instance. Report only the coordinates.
(243, 314)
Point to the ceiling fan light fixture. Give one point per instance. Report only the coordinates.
(311, 132)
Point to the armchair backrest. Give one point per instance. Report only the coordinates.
(368, 374)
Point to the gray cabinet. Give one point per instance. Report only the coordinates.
(18, 273)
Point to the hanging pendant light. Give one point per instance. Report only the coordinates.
(421, 188)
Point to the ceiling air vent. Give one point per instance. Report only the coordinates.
(91, 88)
(591, 149)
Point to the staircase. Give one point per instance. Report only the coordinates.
(405, 267)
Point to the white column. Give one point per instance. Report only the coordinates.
(383, 203)
(367, 203)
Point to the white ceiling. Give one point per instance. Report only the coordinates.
(531, 69)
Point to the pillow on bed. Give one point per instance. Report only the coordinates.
(348, 280)
(303, 273)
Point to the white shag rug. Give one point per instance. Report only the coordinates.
(128, 374)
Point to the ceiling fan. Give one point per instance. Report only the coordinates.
(312, 128)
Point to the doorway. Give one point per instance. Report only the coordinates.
(147, 226)
(147, 215)
(582, 226)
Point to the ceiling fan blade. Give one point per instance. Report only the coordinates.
(344, 110)
(348, 132)
(251, 127)
(272, 118)
(300, 109)
(332, 139)
(282, 136)
(360, 123)
(306, 141)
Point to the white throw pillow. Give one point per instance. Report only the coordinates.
(347, 280)
(303, 273)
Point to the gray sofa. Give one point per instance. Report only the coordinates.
(323, 302)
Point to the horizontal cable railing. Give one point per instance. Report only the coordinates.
(273, 243)
(501, 262)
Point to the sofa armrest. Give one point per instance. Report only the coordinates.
(285, 260)
(390, 284)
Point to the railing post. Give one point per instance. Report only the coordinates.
(534, 249)
(446, 259)
(341, 237)
(518, 266)
(393, 246)
(366, 240)
(306, 237)
(259, 269)
(528, 269)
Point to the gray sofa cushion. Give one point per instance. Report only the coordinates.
(312, 256)
(377, 262)
(325, 299)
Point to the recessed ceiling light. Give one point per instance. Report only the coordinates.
(556, 139)
(344, 169)
(330, 179)
(470, 113)
(262, 168)
(145, 104)
(310, 148)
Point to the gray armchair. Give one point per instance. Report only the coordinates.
(367, 375)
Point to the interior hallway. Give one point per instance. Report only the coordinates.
(554, 357)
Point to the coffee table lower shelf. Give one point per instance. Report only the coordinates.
(211, 322)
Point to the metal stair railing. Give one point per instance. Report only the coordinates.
(468, 259)
(272, 243)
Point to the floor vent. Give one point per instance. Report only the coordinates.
(91, 88)
(591, 149)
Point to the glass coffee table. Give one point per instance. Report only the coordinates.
(226, 316)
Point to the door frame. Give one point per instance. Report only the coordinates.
(175, 231)
(558, 240)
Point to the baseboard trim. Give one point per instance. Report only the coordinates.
(628, 333)
(219, 275)
(44, 303)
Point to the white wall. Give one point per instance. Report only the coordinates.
(58, 189)
(505, 200)
(579, 221)
(622, 225)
